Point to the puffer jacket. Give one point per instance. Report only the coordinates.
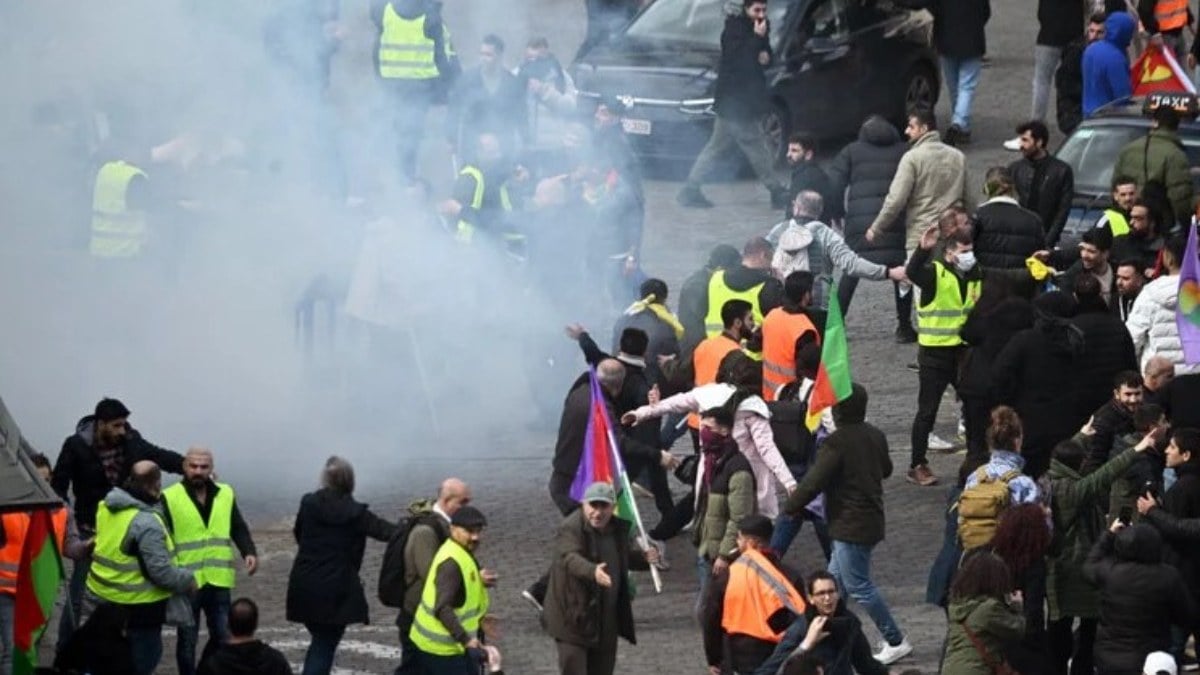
(729, 497)
(931, 176)
(1160, 157)
(1141, 597)
(992, 621)
(1056, 187)
(1006, 234)
(815, 247)
(1152, 321)
(1077, 505)
(862, 173)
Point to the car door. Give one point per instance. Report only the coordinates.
(818, 81)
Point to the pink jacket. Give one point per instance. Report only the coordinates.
(751, 430)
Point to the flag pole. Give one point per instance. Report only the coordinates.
(642, 538)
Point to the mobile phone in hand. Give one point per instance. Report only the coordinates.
(1126, 515)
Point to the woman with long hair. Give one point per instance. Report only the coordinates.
(985, 616)
(1022, 539)
(324, 591)
(1005, 435)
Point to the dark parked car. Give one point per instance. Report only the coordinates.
(1092, 151)
(836, 61)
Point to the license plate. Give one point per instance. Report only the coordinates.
(639, 127)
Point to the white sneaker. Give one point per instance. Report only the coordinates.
(939, 444)
(1013, 144)
(962, 429)
(889, 654)
(662, 563)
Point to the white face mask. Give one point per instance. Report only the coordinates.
(964, 261)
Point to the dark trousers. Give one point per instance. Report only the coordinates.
(657, 476)
(560, 492)
(1066, 645)
(410, 663)
(146, 645)
(904, 303)
(459, 664)
(932, 382)
(215, 604)
(411, 101)
(977, 412)
(579, 660)
(674, 522)
(69, 621)
(322, 646)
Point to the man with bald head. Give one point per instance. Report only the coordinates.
(133, 565)
(203, 518)
(426, 535)
(1157, 374)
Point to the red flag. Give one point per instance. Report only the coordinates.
(37, 586)
(1158, 71)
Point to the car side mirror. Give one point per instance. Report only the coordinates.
(820, 45)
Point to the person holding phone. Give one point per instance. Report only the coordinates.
(831, 634)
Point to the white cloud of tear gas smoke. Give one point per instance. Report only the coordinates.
(221, 103)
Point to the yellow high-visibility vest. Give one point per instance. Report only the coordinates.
(405, 52)
(205, 550)
(939, 322)
(114, 575)
(465, 232)
(117, 231)
(1118, 224)
(719, 294)
(428, 633)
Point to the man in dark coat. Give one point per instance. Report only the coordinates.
(741, 101)
(1045, 184)
(1107, 347)
(1114, 419)
(589, 601)
(1006, 234)
(242, 654)
(1059, 23)
(1095, 254)
(693, 298)
(1068, 79)
(958, 35)
(489, 99)
(807, 174)
(860, 176)
(1178, 398)
(649, 313)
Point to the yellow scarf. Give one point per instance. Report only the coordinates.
(651, 303)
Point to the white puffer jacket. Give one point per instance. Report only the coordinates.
(1152, 321)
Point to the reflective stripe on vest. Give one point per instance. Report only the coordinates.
(1118, 224)
(756, 591)
(466, 231)
(114, 575)
(405, 53)
(1170, 15)
(939, 321)
(428, 633)
(719, 294)
(706, 360)
(16, 524)
(206, 550)
(117, 232)
(780, 331)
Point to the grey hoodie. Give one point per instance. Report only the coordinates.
(815, 247)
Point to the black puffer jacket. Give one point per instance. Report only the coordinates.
(1006, 234)
(1107, 350)
(1055, 184)
(1140, 598)
(861, 174)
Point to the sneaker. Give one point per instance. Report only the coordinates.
(1013, 144)
(939, 444)
(889, 654)
(921, 475)
(661, 545)
(691, 197)
(905, 335)
(779, 198)
(528, 595)
(956, 136)
(962, 429)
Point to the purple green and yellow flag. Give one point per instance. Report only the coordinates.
(1187, 312)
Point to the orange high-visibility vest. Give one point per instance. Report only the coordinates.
(58, 518)
(756, 590)
(780, 331)
(16, 524)
(706, 360)
(1170, 15)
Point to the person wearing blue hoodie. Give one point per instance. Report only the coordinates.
(1106, 66)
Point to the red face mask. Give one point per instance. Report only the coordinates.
(712, 441)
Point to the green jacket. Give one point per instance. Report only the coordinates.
(1159, 156)
(993, 622)
(1078, 507)
(731, 496)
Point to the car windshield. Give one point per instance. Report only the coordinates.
(695, 22)
(1092, 151)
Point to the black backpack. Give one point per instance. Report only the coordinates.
(391, 571)
(795, 442)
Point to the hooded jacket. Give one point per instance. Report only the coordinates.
(331, 533)
(79, 467)
(1106, 66)
(1140, 597)
(813, 246)
(1006, 233)
(1107, 350)
(992, 621)
(1033, 374)
(1152, 324)
(986, 332)
(248, 658)
(861, 174)
(1159, 156)
(931, 176)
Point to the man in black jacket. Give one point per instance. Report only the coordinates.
(1005, 232)
(741, 102)
(1068, 79)
(242, 654)
(693, 298)
(1114, 419)
(1094, 253)
(94, 460)
(1045, 183)
(1107, 346)
(807, 174)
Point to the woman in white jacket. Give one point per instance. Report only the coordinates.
(739, 379)
(1151, 322)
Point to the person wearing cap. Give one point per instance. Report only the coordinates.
(1160, 663)
(750, 603)
(446, 626)
(94, 460)
(589, 602)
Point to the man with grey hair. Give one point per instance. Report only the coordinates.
(805, 244)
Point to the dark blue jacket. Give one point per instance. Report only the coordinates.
(1105, 66)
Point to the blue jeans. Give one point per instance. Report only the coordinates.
(146, 646)
(851, 566)
(961, 76)
(318, 660)
(791, 639)
(787, 527)
(69, 621)
(215, 603)
(704, 574)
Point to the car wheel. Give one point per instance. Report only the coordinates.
(776, 125)
(920, 90)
